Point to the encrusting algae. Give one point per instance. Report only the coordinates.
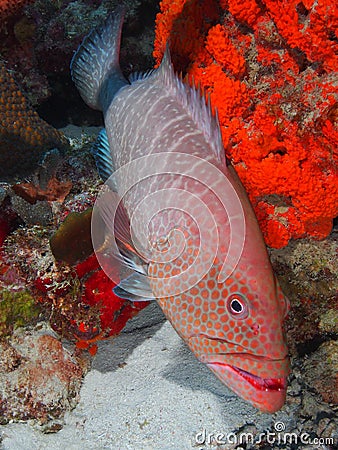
(17, 309)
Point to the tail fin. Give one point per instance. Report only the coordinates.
(95, 67)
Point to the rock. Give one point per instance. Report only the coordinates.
(321, 369)
(307, 271)
(329, 321)
(40, 379)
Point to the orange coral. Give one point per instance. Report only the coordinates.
(309, 29)
(246, 11)
(220, 47)
(24, 136)
(183, 20)
(269, 68)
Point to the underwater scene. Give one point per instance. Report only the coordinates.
(168, 224)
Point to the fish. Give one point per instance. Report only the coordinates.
(173, 222)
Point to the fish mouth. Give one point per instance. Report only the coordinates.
(262, 384)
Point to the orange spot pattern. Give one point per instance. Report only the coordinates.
(252, 342)
(269, 68)
(9, 8)
(24, 136)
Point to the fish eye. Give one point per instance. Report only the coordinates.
(237, 306)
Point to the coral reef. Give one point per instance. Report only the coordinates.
(307, 271)
(83, 305)
(39, 43)
(24, 136)
(54, 261)
(273, 86)
(39, 378)
(38, 214)
(61, 26)
(68, 288)
(269, 69)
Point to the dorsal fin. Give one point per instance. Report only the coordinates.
(137, 76)
(195, 104)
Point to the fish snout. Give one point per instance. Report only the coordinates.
(260, 380)
(265, 394)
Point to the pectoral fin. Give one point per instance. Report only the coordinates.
(119, 250)
(135, 288)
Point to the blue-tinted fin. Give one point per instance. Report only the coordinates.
(135, 288)
(95, 67)
(102, 155)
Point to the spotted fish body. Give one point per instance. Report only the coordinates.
(159, 127)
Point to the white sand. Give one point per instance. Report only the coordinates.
(146, 390)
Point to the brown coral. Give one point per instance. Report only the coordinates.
(55, 191)
(24, 136)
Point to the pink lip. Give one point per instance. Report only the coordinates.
(263, 384)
